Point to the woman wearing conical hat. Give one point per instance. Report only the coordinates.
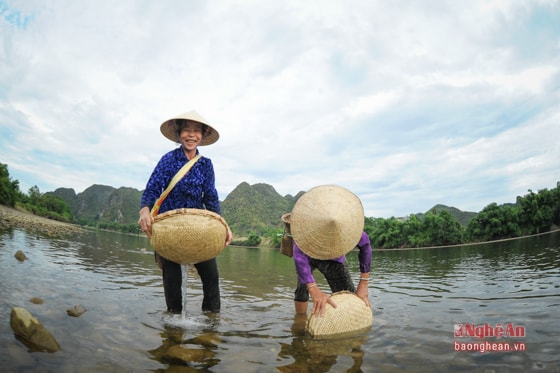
(195, 190)
(326, 223)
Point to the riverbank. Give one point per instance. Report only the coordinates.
(15, 218)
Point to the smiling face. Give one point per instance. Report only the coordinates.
(190, 135)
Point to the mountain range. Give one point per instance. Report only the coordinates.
(247, 209)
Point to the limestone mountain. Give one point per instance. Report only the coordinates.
(256, 208)
(248, 208)
(102, 203)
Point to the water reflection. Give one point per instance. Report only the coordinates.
(322, 355)
(417, 295)
(178, 349)
(105, 252)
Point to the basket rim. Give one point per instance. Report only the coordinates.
(189, 211)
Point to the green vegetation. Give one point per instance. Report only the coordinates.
(51, 207)
(253, 240)
(39, 204)
(125, 228)
(255, 209)
(433, 229)
(9, 189)
(253, 213)
(532, 213)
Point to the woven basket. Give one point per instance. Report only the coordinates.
(350, 316)
(188, 236)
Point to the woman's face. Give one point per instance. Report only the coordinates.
(190, 135)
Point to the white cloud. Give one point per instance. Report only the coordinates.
(406, 103)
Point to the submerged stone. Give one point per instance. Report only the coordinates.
(208, 340)
(20, 256)
(184, 354)
(31, 332)
(75, 311)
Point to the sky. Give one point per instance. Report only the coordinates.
(407, 104)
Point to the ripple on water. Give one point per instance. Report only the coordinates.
(417, 297)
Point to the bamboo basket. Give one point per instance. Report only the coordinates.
(351, 316)
(188, 236)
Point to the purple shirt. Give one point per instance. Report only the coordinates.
(303, 268)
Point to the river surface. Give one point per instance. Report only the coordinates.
(431, 308)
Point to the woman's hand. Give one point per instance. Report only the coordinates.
(229, 236)
(363, 292)
(320, 301)
(145, 221)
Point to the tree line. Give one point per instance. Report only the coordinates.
(39, 204)
(531, 214)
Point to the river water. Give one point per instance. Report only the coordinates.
(421, 300)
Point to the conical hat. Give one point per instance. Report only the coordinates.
(327, 222)
(168, 128)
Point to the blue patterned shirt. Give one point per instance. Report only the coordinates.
(196, 190)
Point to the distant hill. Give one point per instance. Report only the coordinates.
(256, 208)
(248, 208)
(463, 217)
(101, 203)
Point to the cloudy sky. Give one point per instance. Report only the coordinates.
(406, 103)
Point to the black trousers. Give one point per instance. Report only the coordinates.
(173, 280)
(337, 276)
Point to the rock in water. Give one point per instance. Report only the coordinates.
(36, 300)
(20, 256)
(75, 311)
(31, 332)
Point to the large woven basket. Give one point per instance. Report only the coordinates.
(350, 316)
(188, 236)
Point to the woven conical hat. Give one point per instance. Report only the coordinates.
(350, 316)
(327, 221)
(168, 130)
